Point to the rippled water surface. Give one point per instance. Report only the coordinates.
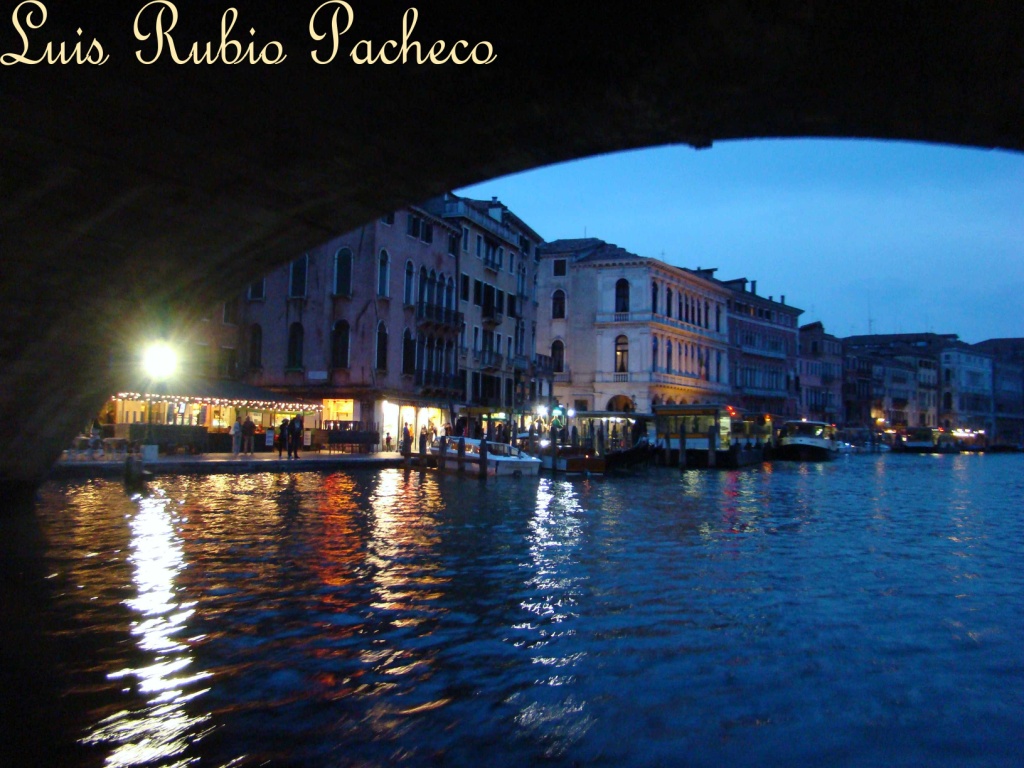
(865, 612)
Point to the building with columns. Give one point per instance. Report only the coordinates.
(626, 332)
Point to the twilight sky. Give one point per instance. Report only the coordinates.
(906, 237)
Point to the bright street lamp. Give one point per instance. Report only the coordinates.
(159, 360)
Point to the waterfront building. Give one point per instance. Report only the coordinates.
(366, 323)
(820, 374)
(626, 332)
(498, 259)
(965, 383)
(953, 381)
(863, 390)
(762, 347)
(1007, 390)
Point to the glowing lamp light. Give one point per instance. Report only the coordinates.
(159, 361)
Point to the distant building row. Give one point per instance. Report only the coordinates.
(458, 307)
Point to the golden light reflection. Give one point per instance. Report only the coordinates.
(162, 729)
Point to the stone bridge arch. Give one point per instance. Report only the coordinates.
(134, 194)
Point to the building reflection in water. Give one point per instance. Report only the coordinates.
(162, 729)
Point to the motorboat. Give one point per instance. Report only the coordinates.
(925, 440)
(807, 441)
(503, 460)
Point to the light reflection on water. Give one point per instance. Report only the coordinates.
(161, 729)
(863, 612)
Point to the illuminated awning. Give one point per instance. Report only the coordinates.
(236, 394)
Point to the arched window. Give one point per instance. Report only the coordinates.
(622, 295)
(423, 286)
(679, 300)
(668, 302)
(707, 315)
(654, 354)
(383, 273)
(432, 288)
(449, 298)
(297, 277)
(381, 363)
(410, 283)
(408, 353)
(343, 272)
(558, 357)
(558, 304)
(255, 346)
(654, 298)
(621, 354)
(668, 356)
(339, 345)
(295, 339)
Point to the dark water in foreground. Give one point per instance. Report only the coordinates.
(866, 613)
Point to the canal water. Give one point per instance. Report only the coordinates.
(866, 612)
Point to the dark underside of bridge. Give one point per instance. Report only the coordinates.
(131, 194)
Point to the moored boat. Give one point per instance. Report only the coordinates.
(502, 460)
(807, 441)
(925, 440)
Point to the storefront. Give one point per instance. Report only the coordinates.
(198, 414)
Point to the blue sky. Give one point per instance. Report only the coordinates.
(906, 237)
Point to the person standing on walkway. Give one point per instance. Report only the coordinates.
(282, 439)
(236, 436)
(248, 433)
(295, 428)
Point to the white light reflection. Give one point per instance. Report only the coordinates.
(162, 729)
(553, 591)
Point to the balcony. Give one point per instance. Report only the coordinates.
(652, 318)
(438, 382)
(543, 365)
(456, 208)
(492, 316)
(520, 363)
(492, 263)
(490, 360)
(438, 317)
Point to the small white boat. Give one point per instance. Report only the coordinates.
(503, 460)
(807, 441)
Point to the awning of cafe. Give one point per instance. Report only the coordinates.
(215, 392)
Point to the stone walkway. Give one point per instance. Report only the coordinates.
(226, 463)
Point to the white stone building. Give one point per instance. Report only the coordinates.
(626, 332)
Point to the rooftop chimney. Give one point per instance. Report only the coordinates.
(783, 298)
(753, 287)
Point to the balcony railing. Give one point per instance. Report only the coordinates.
(490, 360)
(656, 319)
(491, 316)
(543, 365)
(455, 208)
(493, 263)
(439, 316)
(437, 380)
